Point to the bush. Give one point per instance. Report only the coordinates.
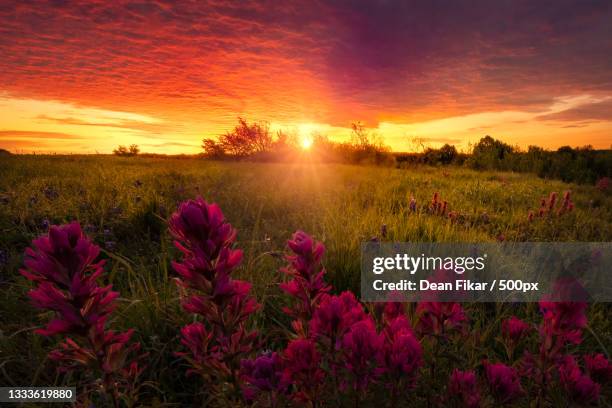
(132, 150)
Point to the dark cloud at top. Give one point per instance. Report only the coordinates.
(331, 62)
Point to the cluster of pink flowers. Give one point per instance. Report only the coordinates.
(462, 389)
(548, 206)
(336, 347)
(603, 184)
(438, 206)
(62, 265)
(217, 344)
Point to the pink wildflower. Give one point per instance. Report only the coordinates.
(552, 201)
(503, 382)
(598, 367)
(413, 204)
(564, 320)
(63, 268)
(264, 374)
(440, 318)
(603, 184)
(302, 368)
(335, 315)
(580, 387)
(463, 389)
(206, 240)
(402, 355)
(361, 347)
(514, 329)
(307, 285)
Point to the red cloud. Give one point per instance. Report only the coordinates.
(211, 61)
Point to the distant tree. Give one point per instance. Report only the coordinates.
(4, 152)
(447, 154)
(212, 149)
(247, 139)
(491, 153)
(122, 150)
(360, 137)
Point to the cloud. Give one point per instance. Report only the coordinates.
(439, 140)
(37, 135)
(597, 111)
(202, 64)
(171, 144)
(116, 123)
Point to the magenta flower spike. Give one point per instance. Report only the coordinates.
(598, 367)
(307, 284)
(302, 368)
(362, 347)
(462, 389)
(217, 345)
(334, 317)
(580, 387)
(62, 265)
(402, 354)
(563, 320)
(504, 382)
(440, 318)
(264, 375)
(514, 329)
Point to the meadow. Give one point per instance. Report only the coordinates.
(124, 204)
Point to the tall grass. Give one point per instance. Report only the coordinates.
(123, 204)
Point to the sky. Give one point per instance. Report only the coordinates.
(86, 76)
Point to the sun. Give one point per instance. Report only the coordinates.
(306, 143)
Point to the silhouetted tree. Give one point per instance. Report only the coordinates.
(212, 149)
(490, 153)
(121, 150)
(246, 139)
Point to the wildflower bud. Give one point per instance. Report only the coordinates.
(463, 390)
(552, 201)
(503, 382)
(598, 367)
(413, 204)
(434, 200)
(361, 347)
(307, 283)
(514, 329)
(579, 387)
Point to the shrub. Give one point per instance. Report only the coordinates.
(121, 150)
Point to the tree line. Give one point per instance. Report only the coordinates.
(570, 164)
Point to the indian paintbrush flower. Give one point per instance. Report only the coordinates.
(462, 389)
(579, 387)
(206, 239)
(62, 265)
(503, 382)
(306, 285)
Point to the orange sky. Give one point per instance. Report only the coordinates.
(83, 77)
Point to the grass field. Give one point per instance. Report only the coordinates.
(123, 204)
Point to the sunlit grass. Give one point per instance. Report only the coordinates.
(124, 202)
